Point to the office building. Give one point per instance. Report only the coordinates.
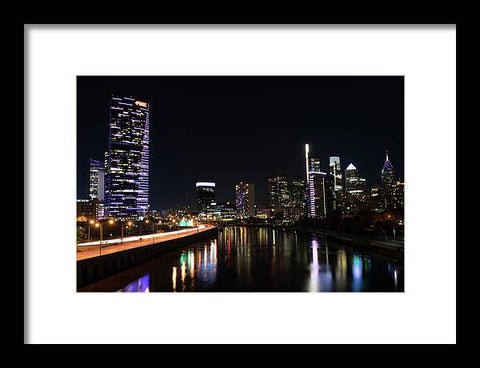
(387, 175)
(377, 198)
(335, 183)
(298, 197)
(96, 180)
(245, 199)
(87, 209)
(278, 193)
(316, 187)
(335, 171)
(353, 182)
(127, 159)
(205, 196)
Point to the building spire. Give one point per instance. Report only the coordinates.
(386, 159)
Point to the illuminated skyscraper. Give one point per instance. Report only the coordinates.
(353, 182)
(335, 182)
(336, 173)
(388, 182)
(355, 198)
(245, 199)
(127, 159)
(205, 193)
(387, 172)
(398, 194)
(377, 198)
(96, 178)
(298, 197)
(278, 193)
(316, 187)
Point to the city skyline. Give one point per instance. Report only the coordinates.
(207, 153)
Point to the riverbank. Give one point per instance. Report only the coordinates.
(392, 248)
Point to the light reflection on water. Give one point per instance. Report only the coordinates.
(265, 259)
(140, 285)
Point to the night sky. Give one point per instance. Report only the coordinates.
(231, 129)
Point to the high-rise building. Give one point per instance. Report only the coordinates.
(316, 187)
(87, 209)
(245, 199)
(377, 198)
(387, 172)
(278, 193)
(355, 198)
(335, 182)
(317, 182)
(336, 173)
(96, 179)
(388, 182)
(398, 194)
(205, 193)
(127, 159)
(353, 182)
(298, 197)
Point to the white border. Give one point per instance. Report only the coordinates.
(425, 313)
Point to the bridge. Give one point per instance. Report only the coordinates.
(97, 261)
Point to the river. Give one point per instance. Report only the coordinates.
(247, 259)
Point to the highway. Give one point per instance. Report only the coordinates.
(116, 245)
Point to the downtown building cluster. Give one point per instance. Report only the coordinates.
(320, 194)
(119, 187)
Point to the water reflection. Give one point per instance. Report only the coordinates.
(263, 259)
(140, 285)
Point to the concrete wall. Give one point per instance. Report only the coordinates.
(97, 268)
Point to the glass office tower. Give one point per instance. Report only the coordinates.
(336, 173)
(205, 192)
(245, 199)
(316, 187)
(96, 178)
(127, 159)
(278, 192)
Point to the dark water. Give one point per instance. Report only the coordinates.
(261, 259)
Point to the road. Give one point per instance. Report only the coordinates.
(116, 245)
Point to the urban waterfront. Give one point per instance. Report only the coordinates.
(257, 259)
(175, 154)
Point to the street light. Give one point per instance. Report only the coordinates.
(129, 227)
(153, 229)
(100, 226)
(91, 222)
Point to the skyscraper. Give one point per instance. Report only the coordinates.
(335, 182)
(299, 197)
(316, 187)
(245, 199)
(336, 173)
(398, 194)
(278, 193)
(355, 198)
(127, 159)
(353, 182)
(387, 172)
(388, 182)
(96, 178)
(377, 198)
(205, 193)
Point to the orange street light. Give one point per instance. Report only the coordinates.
(91, 222)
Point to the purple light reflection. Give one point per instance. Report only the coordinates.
(141, 285)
